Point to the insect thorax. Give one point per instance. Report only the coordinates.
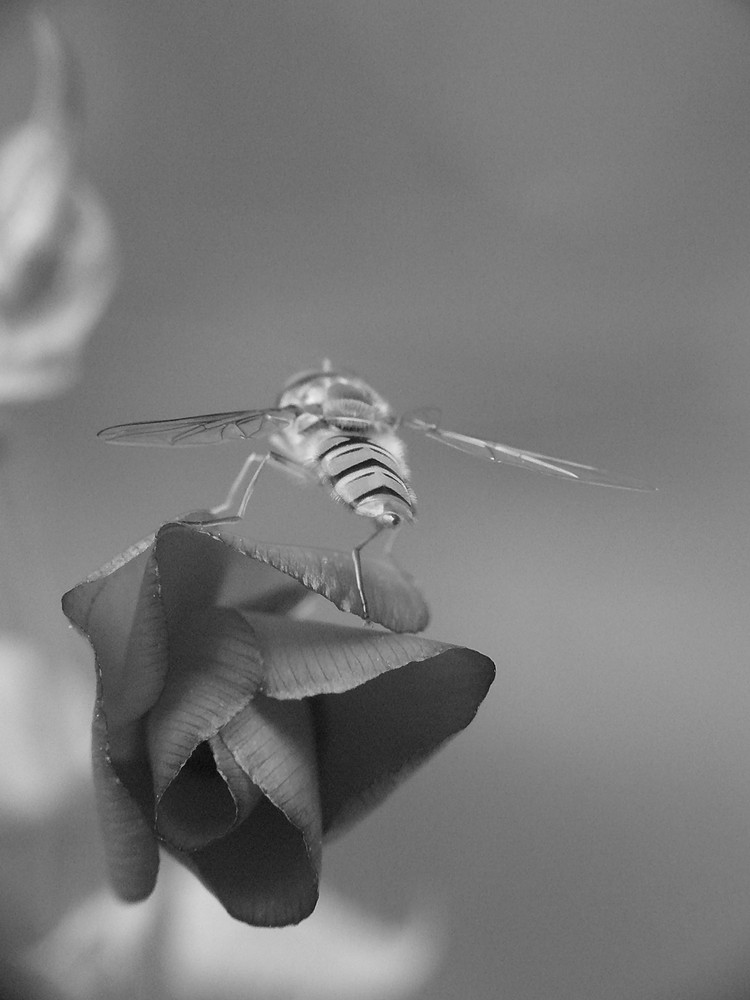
(334, 393)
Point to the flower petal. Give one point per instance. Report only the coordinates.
(305, 658)
(123, 610)
(371, 737)
(214, 671)
(392, 596)
(209, 797)
(260, 872)
(265, 872)
(244, 791)
(130, 844)
(274, 743)
(202, 567)
(118, 609)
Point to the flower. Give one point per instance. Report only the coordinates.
(57, 248)
(238, 736)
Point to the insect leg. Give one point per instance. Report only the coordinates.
(249, 488)
(358, 569)
(222, 513)
(223, 510)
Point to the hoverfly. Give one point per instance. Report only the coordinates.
(334, 429)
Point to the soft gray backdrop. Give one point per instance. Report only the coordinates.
(534, 214)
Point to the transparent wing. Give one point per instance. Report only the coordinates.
(495, 452)
(209, 428)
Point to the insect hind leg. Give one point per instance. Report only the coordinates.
(356, 559)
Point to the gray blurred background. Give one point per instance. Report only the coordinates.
(534, 214)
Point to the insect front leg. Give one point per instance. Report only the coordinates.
(223, 512)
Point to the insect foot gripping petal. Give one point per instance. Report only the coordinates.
(205, 518)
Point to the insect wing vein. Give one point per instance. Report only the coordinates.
(505, 454)
(209, 428)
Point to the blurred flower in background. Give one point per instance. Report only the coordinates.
(57, 247)
(57, 274)
(42, 745)
(181, 943)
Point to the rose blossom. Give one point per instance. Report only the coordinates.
(237, 736)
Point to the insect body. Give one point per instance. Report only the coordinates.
(333, 428)
(345, 434)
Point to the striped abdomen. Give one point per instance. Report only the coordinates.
(369, 477)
